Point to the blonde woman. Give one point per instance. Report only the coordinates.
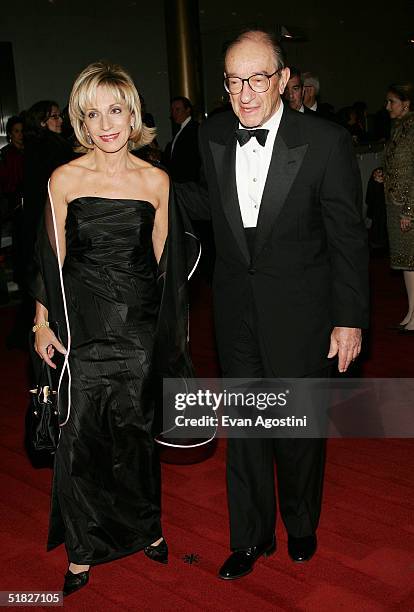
(107, 223)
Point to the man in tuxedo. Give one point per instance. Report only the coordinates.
(181, 154)
(290, 286)
(293, 94)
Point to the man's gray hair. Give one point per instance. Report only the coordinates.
(260, 36)
(311, 79)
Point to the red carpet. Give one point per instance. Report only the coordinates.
(365, 560)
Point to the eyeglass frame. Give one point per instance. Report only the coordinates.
(55, 116)
(243, 81)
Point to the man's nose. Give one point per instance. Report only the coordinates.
(246, 93)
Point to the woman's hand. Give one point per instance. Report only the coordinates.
(45, 345)
(405, 224)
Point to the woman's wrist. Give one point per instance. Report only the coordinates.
(39, 325)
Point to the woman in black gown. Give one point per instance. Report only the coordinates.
(107, 222)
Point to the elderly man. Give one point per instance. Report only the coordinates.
(311, 87)
(290, 285)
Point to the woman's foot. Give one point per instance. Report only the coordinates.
(409, 325)
(76, 577)
(158, 551)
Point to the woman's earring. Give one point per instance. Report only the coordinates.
(88, 138)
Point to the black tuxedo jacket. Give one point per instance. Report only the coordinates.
(306, 110)
(184, 161)
(308, 271)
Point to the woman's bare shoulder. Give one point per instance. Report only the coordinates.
(152, 178)
(66, 177)
(154, 175)
(160, 176)
(158, 182)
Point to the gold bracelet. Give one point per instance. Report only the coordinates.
(40, 325)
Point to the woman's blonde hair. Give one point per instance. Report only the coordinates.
(120, 84)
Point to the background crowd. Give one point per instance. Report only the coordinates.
(41, 138)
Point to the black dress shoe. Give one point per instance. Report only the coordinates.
(157, 553)
(302, 549)
(74, 582)
(241, 562)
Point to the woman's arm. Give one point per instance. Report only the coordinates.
(55, 215)
(160, 231)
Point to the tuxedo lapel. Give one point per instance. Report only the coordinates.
(224, 156)
(287, 157)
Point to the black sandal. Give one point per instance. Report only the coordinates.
(157, 553)
(74, 582)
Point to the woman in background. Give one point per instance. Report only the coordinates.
(11, 162)
(11, 184)
(44, 150)
(399, 190)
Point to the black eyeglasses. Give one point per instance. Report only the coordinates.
(55, 116)
(259, 83)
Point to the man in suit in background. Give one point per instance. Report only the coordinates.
(182, 159)
(290, 286)
(311, 88)
(181, 154)
(293, 94)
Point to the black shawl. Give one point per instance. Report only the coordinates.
(171, 357)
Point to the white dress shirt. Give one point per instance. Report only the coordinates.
(184, 123)
(252, 166)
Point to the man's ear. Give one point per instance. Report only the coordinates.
(284, 77)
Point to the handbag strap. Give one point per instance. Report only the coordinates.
(45, 369)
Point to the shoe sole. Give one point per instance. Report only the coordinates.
(236, 577)
(69, 593)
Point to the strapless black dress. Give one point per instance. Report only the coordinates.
(106, 485)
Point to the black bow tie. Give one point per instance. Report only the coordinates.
(244, 136)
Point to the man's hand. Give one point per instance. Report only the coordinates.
(346, 343)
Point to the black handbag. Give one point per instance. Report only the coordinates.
(44, 430)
